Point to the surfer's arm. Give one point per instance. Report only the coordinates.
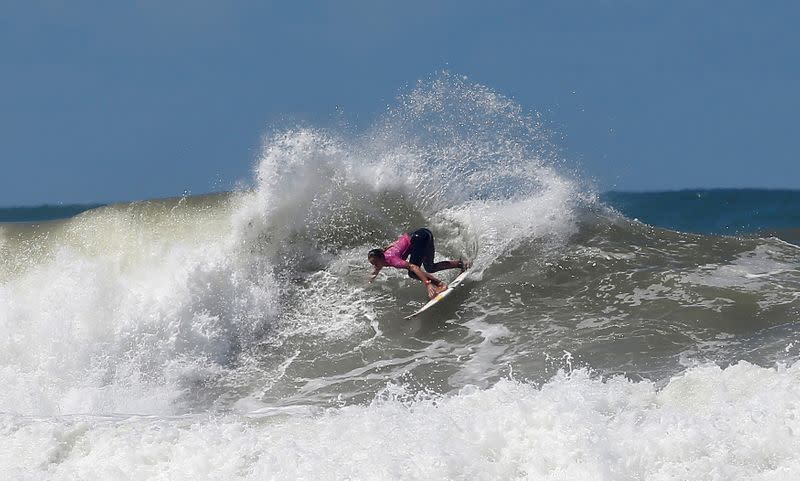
(423, 276)
(432, 284)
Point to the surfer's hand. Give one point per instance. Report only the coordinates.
(374, 274)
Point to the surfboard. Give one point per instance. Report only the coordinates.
(450, 288)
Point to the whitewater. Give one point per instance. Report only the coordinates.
(235, 335)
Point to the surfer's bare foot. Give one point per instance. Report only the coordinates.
(434, 291)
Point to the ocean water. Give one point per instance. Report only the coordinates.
(731, 212)
(234, 336)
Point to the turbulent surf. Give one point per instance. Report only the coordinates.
(235, 336)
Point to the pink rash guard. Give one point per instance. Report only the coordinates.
(396, 253)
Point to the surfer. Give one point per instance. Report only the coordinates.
(419, 246)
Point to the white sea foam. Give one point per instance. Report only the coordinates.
(738, 423)
(120, 308)
(751, 271)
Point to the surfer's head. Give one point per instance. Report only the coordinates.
(376, 258)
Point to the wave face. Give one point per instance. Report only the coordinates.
(234, 336)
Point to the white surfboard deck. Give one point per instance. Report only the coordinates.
(450, 287)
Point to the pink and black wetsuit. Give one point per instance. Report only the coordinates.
(420, 247)
(395, 255)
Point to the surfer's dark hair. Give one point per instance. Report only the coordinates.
(375, 253)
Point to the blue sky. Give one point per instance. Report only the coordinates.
(106, 101)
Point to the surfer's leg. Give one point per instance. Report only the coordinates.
(430, 252)
(442, 265)
(420, 239)
(421, 244)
